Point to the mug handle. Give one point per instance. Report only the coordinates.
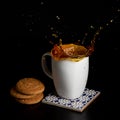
(44, 65)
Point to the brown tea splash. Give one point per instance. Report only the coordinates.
(71, 52)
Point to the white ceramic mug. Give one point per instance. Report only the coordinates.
(69, 77)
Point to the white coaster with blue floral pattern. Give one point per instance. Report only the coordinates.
(78, 104)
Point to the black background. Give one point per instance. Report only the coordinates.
(24, 39)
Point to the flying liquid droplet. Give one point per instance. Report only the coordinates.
(42, 3)
(60, 42)
(107, 24)
(51, 28)
(55, 35)
(58, 17)
(92, 27)
(111, 20)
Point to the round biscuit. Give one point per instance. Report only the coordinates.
(14, 93)
(34, 100)
(30, 86)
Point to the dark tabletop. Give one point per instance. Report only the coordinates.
(27, 37)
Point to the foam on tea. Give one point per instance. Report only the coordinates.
(70, 51)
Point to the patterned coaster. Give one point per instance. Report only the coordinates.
(78, 104)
